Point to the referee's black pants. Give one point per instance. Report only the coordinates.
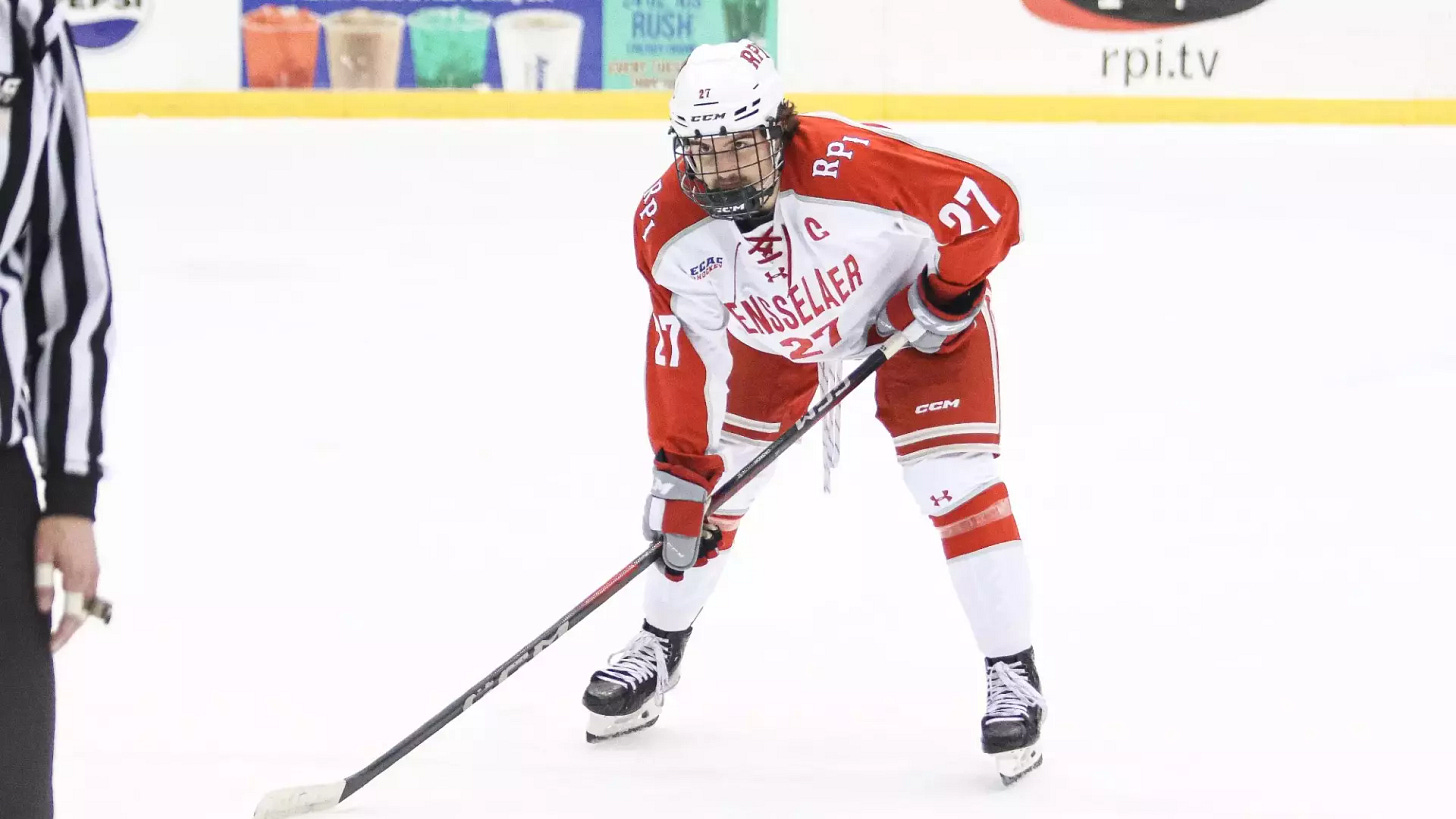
(27, 676)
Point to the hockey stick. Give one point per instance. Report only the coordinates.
(287, 802)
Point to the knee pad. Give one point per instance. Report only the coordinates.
(964, 497)
(942, 483)
(736, 453)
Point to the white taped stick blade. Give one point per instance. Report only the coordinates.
(298, 801)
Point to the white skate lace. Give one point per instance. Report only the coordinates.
(642, 658)
(1009, 695)
(829, 377)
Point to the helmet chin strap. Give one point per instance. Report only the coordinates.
(762, 215)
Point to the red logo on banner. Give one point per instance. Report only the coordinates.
(1134, 15)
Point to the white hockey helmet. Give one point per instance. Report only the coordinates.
(727, 89)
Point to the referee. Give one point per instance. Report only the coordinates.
(55, 349)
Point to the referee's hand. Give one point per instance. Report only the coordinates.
(66, 543)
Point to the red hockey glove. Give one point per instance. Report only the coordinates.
(931, 326)
(674, 515)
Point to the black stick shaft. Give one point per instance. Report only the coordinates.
(618, 582)
(641, 563)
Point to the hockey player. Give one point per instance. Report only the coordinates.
(777, 241)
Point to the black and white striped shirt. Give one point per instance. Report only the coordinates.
(55, 286)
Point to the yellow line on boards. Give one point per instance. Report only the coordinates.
(417, 104)
(324, 104)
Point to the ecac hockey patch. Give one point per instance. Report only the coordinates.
(706, 266)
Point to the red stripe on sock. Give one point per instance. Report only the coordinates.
(981, 522)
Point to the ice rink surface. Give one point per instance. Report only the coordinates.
(376, 421)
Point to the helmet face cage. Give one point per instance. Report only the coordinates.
(701, 163)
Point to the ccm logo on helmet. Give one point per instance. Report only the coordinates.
(937, 405)
(706, 117)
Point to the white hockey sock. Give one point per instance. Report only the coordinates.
(673, 606)
(994, 585)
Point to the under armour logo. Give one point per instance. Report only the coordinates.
(765, 246)
(782, 274)
(944, 496)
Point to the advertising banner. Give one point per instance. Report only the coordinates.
(1245, 49)
(512, 45)
(1012, 55)
(105, 24)
(550, 45)
(1159, 60)
(646, 41)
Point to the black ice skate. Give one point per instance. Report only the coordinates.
(627, 695)
(1014, 713)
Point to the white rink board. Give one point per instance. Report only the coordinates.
(1342, 49)
(352, 472)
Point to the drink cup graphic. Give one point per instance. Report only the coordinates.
(540, 49)
(364, 48)
(449, 47)
(281, 46)
(746, 20)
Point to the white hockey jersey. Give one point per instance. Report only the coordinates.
(861, 212)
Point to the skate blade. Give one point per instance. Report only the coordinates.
(600, 728)
(1012, 765)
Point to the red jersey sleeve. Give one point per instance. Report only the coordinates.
(973, 214)
(687, 358)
